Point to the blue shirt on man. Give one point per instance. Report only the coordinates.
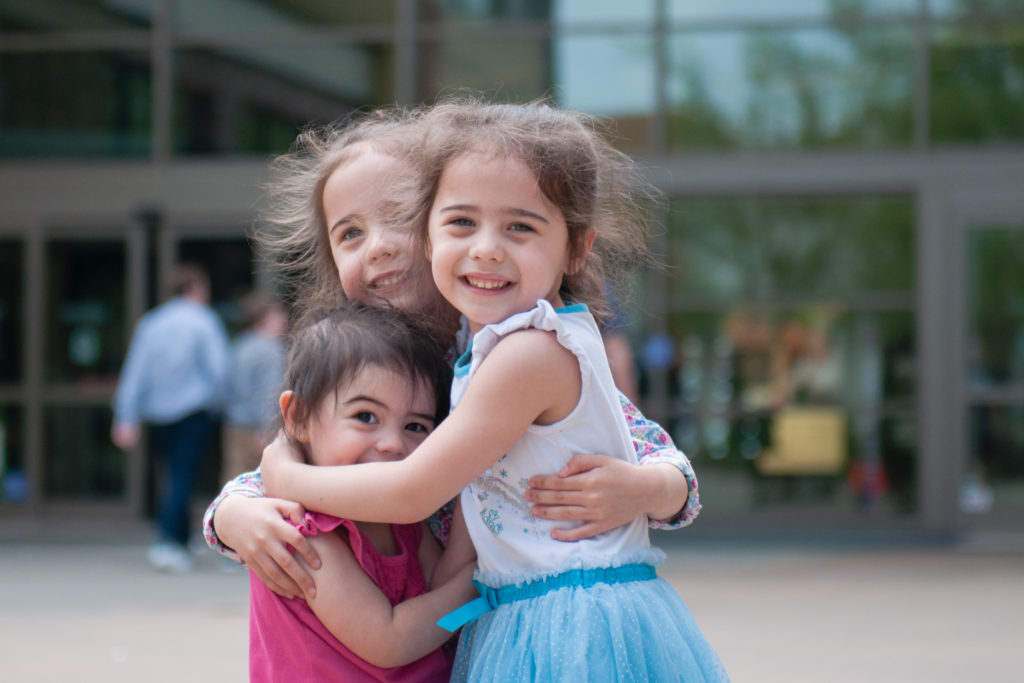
(177, 365)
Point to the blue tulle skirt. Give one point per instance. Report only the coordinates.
(633, 630)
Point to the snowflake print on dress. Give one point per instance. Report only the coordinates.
(490, 518)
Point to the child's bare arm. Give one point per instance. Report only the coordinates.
(354, 609)
(457, 554)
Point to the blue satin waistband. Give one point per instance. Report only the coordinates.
(581, 578)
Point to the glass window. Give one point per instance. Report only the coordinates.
(996, 307)
(14, 485)
(80, 461)
(762, 249)
(85, 312)
(475, 10)
(12, 286)
(745, 10)
(586, 64)
(77, 104)
(504, 69)
(208, 16)
(255, 99)
(569, 12)
(977, 83)
(803, 88)
(73, 15)
(792, 323)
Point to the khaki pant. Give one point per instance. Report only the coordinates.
(242, 450)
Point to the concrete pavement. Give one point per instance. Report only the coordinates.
(86, 607)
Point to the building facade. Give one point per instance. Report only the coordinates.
(837, 338)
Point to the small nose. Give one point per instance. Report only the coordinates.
(382, 247)
(486, 247)
(391, 443)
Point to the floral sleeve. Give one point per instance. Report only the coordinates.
(654, 445)
(248, 484)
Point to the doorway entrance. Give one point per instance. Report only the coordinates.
(990, 321)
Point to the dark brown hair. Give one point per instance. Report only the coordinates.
(339, 343)
(577, 169)
(185, 277)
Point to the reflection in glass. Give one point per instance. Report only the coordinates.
(994, 477)
(995, 290)
(994, 481)
(85, 314)
(78, 104)
(505, 70)
(254, 99)
(80, 461)
(755, 250)
(977, 83)
(12, 255)
(807, 88)
(793, 377)
(585, 65)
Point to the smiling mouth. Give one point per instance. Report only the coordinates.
(486, 284)
(386, 281)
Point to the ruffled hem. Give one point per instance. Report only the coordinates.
(635, 631)
(651, 556)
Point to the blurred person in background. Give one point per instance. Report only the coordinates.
(254, 379)
(174, 378)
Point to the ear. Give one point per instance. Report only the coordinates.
(289, 404)
(428, 250)
(576, 261)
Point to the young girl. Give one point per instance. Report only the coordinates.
(363, 386)
(339, 227)
(519, 196)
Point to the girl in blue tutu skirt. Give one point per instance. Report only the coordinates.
(528, 209)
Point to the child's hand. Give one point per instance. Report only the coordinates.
(602, 492)
(258, 529)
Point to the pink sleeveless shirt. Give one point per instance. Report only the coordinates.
(287, 642)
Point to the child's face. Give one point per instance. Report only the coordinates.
(379, 416)
(496, 243)
(376, 260)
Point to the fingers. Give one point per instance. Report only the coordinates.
(304, 548)
(581, 463)
(291, 510)
(559, 512)
(276, 580)
(554, 497)
(579, 533)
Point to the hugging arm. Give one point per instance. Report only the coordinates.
(244, 525)
(605, 493)
(530, 365)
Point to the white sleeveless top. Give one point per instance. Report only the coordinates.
(511, 544)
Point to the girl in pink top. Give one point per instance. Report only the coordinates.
(364, 385)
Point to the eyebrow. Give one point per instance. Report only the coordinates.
(525, 213)
(368, 399)
(341, 221)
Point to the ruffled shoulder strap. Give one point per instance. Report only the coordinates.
(319, 523)
(543, 316)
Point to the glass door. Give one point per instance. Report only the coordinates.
(991, 491)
